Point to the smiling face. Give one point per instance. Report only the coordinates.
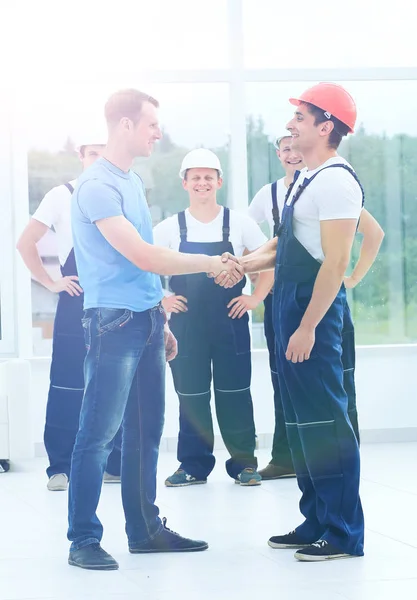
(307, 134)
(202, 184)
(291, 159)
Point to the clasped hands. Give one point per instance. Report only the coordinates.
(226, 270)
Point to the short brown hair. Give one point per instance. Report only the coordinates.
(126, 103)
(339, 130)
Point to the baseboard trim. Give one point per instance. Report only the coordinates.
(264, 440)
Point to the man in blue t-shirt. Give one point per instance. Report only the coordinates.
(126, 335)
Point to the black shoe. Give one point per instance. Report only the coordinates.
(169, 541)
(290, 540)
(92, 557)
(321, 550)
(272, 471)
(4, 466)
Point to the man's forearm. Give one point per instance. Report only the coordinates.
(32, 260)
(164, 261)
(262, 259)
(326, 288)
(368, 253)
(122, 235)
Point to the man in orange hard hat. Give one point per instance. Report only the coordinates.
(311, 254)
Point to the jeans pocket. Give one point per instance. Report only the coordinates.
(110, 319)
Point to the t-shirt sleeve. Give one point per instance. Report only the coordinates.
(50, 208)
(337, 195)
(253, 237)
(256, 208)
(98, 200)
(162, 233)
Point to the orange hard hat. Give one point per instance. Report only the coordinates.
(333, 99)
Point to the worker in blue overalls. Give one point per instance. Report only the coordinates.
(68, 348)
(311, 255)
(267, 206)
(212, 328)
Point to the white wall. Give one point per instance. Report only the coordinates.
(386, 383)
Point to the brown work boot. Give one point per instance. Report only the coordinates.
(272, 471)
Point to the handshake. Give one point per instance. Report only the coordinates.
(226, 270)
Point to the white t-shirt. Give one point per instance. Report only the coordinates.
(260, 209)
(244, 232)
(55, 211)
(333, 194)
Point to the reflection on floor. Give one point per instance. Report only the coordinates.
(235, 521)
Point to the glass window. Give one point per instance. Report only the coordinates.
(382, 151)
(192, 115)
(306, 35)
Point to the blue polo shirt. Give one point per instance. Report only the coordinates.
(108, 278)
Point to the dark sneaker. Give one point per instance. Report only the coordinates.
(320, 550)
(180, 479)
(276, 472)
(290, 540)
(92, 557)
(249, 476)
(169, 541)
(4, 466)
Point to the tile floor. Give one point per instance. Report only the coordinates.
(235, 521)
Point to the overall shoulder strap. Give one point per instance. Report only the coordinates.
(69, 188)
(275, 211)
(183, 226)
(226, 224)
(291, 186)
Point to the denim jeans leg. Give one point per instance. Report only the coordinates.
(142, 430)
(115, 339)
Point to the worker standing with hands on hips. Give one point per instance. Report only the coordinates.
(211, 325)
(68, 347)
(311, 255)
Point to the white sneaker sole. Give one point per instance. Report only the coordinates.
(168, 484)
(251, 483)
(309, 558)
(286, 546)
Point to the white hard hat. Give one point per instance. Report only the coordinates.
(201, 157)
(91, 139)
(280, 138)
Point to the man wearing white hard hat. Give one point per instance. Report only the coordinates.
(68, 348)
(211, 325)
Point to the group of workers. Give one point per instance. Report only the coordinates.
(115, 329)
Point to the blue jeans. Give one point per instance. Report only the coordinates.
(124, 382)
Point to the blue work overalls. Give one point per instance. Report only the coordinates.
(281, 454)
(66, 388)
(209, 339)
(323, 444)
